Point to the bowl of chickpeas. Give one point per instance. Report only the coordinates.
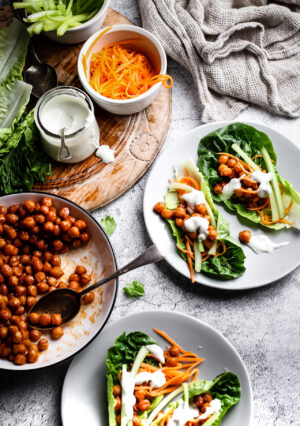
(47, 243)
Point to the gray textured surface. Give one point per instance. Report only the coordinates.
(262, 324)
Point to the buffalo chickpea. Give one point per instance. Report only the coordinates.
(231, 162)
(3, 332)
(180, 212)
(56, 319)
(62, 284)
(46, 201)
(56, 230)
(32, 355)
(40, 219)
(74, 285)
(11, 233)
(51, 281)
(74, 232)
(88, 298)
(6, 270)
(29, 205)
(85, 279)
(3, 289)
(223, 159)
(41, 244)
(84, 237)
(13, 281)
(58, 245)
(34, 317)
(47, 256)
(20, 359)
(43, 345)
(28, 222)
(57, 332)
(179, 222)
(118, 404)
(5, 314)
(198, 400)
(172, 361)
(42, 288)
(14, 302)
(37, 265)
(140, 394)
(25, 259)
(212, 233)
(20, 310)
(238, 168)
(47, 267)
(166, 213)
(76, 243)
(32, 290)
(79, 270)
(48, 227)
(45, 320)
(2, 242)
(12, 218)
(3, 209)
(56, 272)
(117, 390)
(29, 280)
(65, 225)
(224, 170)
(40, 277)
(35, 335)
(51, 216)
(159, 207)
(64, 212)
(17, 337)
(44, 210)
(55, 260)
(19, 348)
(136, 421)
(174, 351)
(245, 236)
(30, 301)
(74, 277)
(143, 405)
(80, 224)
(118, 419)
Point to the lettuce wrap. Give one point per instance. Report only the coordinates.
(256, 150)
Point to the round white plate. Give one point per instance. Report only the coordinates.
(84, 391)
(260, 269)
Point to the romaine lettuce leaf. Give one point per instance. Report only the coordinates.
(251, 141)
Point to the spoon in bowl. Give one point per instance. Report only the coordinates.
(67, 302)
(64, 152)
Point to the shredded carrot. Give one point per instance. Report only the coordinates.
(168, 339)
(189, 258)
(221, 243)
(261, 207)
(190, 181)
(260, 156)
(119, 72)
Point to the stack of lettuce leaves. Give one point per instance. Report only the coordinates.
(22, 162)
(246, 142)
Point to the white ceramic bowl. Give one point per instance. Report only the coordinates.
(140, 39)
(99, 259)
(83, 31)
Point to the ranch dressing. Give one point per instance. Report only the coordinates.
(197, 224)
(182, 414)
(263, 244)
(264, 180)
(194, 198)
(215, 405)
(157, 352)
(128, 398)
(230, 187)
(157, 379)
(71, 109)
(106, 154)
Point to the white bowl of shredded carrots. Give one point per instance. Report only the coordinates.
(122, 68)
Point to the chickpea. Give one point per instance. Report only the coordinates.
(80, 270)
(224, 170)
(140, 394)
(2, 242)
(20, 290)
(47, 201)
(245, 236)
(6, 270)
(64, 212)
(22, 325)
(56, 319)
(88, 298)
(32, 290)
(118, 404)
(74, 285)
(3, 299)
(37, 265)
(35, 335)
(61, 284)
(17, 337)
(29, 280)
(23, 300)
(84, 237)
(205, 406)
(51, 288)
(40, 219)
(180, 212)
(65, 225)
(166, 214)
(55, 260)
(25, 259)
(71, 219)
(47, 256)
(2, 218)
(56, 230)
(231, 162)
(117, 390)
(5, 314)
(201, 208)
(207, 397)
(198, 400)
(43, 345)
(174, 351)
(51, 216)
(48, 227)
(29, 205)
(56, 272)
(76, 243)
(45, 320)
(80, 224)
(33, 355)
(51, 281)
(40, 277)
(34, 317)
(42, 288)
(32, 239)
(159, 207)
(28, 222)
(74, 232)
(136, 421)
(238, 168)
(12, 329)
(20, 359)
(14, 302)
(12, 218)
(3, 332)
(13, 281)
(74, 277)
(44, 210)
(41, 244)
(85, 279)
(11, 233)
(58, 245)
(19, 348)
(3, 210)
(212, 233)
(223, 159)
(172, 361)
(31, 300)
(58, 221)
(57, 332)
(143, 405)
(179, 222)
(118, 419)
(47, 267)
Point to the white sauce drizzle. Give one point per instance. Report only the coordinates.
(263, 244)
(156, 351)
(264, 180)
(157, 379)
(128, 398)
(183, 414)
(194, 198)
(197, 224)
(230, 187)
(106, 154)
(215, 405)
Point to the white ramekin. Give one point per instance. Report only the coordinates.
(82, 32)
(142, 40)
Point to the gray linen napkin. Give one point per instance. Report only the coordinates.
(239, 52)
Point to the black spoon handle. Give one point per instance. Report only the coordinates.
(151, 255)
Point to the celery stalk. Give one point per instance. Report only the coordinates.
(143, 352)
(198, 257)
(163, 403)
(245, 157)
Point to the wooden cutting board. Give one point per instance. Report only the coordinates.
(136, 139)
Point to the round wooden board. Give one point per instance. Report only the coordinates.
(136, 139)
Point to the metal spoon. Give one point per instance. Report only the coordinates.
(67, 302)
(41, 76)
(64, 152)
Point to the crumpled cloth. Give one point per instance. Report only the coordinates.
(239, 52)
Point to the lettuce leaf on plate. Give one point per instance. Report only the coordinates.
(251, 142)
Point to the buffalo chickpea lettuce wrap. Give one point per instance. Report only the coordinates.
(239, 164)
(148, 386)
(201, 233)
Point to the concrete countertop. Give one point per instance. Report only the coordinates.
(262, 324)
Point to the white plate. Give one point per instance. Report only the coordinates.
(99, 259)
(260, 269)
(84, 391)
